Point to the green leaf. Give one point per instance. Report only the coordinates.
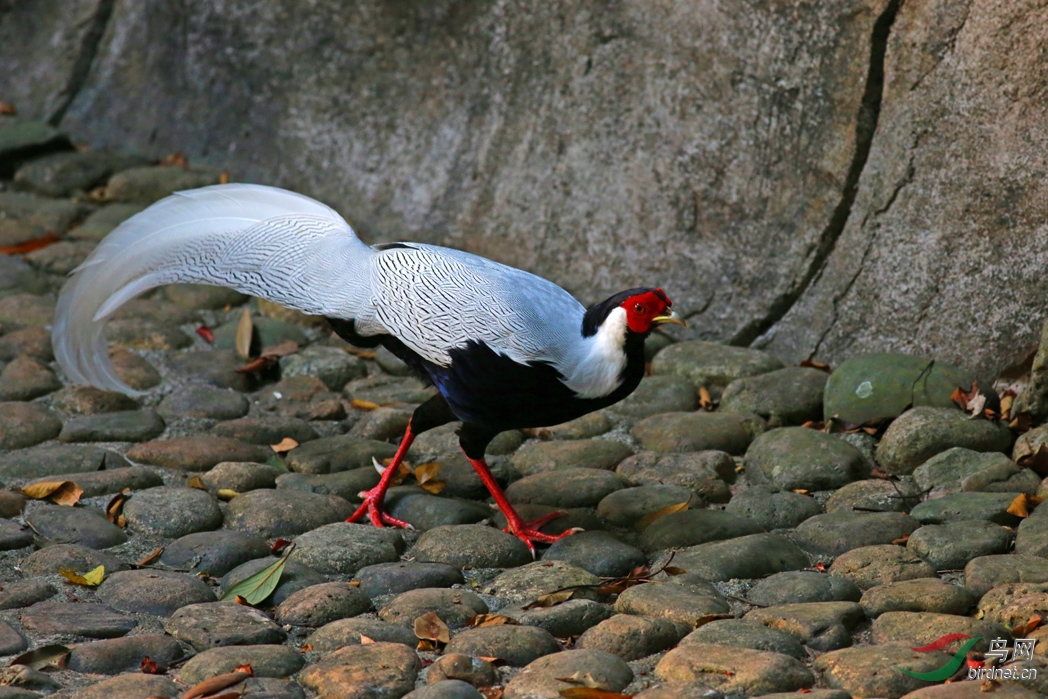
(259, 586)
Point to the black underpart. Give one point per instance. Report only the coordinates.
(433, 413)
(598, 312)
(491, 393)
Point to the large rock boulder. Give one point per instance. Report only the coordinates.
(699, 145)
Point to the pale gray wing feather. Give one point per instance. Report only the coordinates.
(435, 299)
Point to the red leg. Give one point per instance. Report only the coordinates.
(374, 498)
(528, 532)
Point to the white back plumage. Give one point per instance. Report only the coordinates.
(293, 250)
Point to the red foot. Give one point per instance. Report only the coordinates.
(528, 532)
(373, 507)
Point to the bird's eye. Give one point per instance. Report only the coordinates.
(638, 308)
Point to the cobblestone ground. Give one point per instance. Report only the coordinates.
(735, 542)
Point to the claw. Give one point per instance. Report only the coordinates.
(372, 507)
(528, 532)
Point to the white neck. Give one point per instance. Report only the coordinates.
(601, 359)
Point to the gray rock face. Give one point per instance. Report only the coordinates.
(629, 63)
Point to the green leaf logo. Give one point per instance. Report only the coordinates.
(946, 671)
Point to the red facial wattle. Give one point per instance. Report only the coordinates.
(642, 309)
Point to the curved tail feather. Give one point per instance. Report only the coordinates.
(263, 241)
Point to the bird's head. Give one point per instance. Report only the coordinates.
(641, 309)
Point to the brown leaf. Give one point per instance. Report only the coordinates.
(149, 667)
(257, 365)
(354, 583)
(214, 684)
(7, 109)
(802, 491)
(41, 657)
(364, 640)
(359, 404)
(116, 507)
(582, 679)
(426, 645)
(960, 397)
(281, 350)
(1022, 504)
(812, 364)
(901, 541)
(205, 332)
(61, 492)
(245, 330)
(196, 482)
(31, 245)
(175, 160)
(240, 599)
(430, 627)
(309, 646)
(223, 177)
(1033, 622)
(707, 618)
(428, 477)
(482, 620)
(705, 401)
(151, 557)
(591, 693)
(279, 545)
(286, 444)
(1037, 461)
(493, 692)
(551, 599)
(673, 570)
(92, 578)
(651, 517)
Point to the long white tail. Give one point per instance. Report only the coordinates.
(262, 241)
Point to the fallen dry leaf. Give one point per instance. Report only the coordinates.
(592, 693)
(359, 404)
(426, 645)
(551, 599)
(583, 680)
(7, 109)
(31, 245)
(812, 364)
(482, 620)
(493, 692)
(364, 640)
(92, 578)
(279, 545)
(115, 509)
(226, 494)
(707, 618)
(215, 684)
(61, 492)
(428, 477)
(175, 160)
(705, 401)
(205, 332)
(1023, 503)
(223, 177)
(245, 331)
(658, 514)
(196, 482)
(286, 444)
(1033, 623)
(151, 557)
(430, 627)
(149, 667)
(1036, 461)
(41, 657)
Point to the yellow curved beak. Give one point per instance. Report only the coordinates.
(672, 318)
